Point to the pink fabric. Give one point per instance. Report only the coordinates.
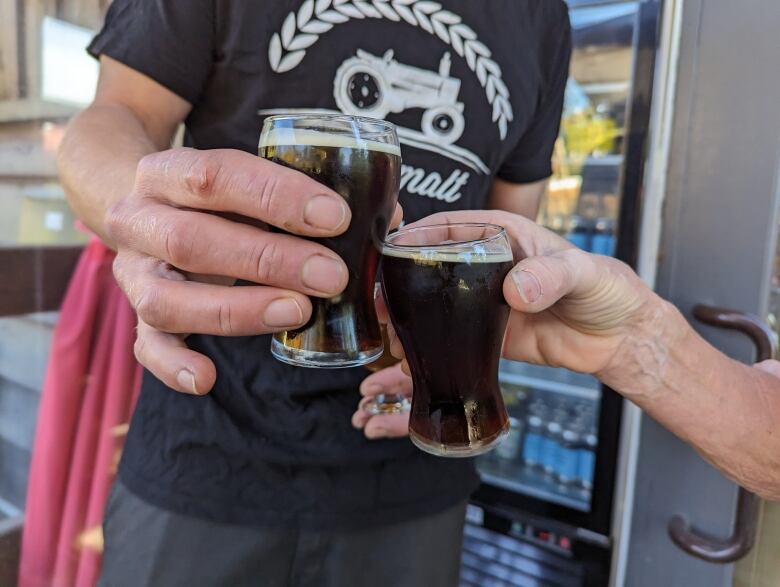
(91, 385)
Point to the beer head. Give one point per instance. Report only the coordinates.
(286, 136)
(428, 256)
(336, 131)
(464, 242)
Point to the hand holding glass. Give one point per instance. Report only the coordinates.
(360, 159)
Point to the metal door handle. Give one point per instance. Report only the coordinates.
(743, 536)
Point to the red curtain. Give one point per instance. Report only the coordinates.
(91, 385)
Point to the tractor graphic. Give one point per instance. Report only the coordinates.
(368, 85)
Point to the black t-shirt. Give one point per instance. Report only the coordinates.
(476, 90)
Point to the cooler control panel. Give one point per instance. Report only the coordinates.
(526, 555)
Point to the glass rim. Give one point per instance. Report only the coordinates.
(500, 232)
(366, 120)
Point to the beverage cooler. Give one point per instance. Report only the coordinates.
(543, 513)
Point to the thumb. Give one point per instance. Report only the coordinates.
(536, 283)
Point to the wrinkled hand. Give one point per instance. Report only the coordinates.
(179, 249)
(569, 308)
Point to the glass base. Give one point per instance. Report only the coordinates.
(390, 403)
(459, 450)
(318, 360)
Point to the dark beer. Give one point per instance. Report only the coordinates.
(449, 312)
(343, 331)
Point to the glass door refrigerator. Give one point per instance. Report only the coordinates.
(544, 511)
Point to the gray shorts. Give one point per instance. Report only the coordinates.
(149, 546)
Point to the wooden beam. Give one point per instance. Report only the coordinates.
(34, 110)
(86, 13)
(34, 11)
(9, 50)
(34, 279)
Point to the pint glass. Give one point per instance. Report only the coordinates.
(360, 159)
(443, 287)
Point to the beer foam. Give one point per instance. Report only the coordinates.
(431, 255)
(312, 138)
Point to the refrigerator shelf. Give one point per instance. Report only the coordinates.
(563, 388)
(516, 477)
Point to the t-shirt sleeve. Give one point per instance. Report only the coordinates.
(170, 41)
(531, 158)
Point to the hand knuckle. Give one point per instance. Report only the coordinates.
(147, 166)
(224, 319)
(178, 243)
(119, 268)
(267, 260)
(266, 186)
(139, 348)
(200, 173)
(151, 307)
(116, 221)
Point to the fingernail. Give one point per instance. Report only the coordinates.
(284, 312)
(323, 274)
(325, 212)
(528, 286)
(186, 379)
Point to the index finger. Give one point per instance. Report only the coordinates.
(228, 180)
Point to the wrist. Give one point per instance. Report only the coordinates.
(647, 350)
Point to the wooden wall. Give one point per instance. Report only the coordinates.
(33, 278)
(20, 39)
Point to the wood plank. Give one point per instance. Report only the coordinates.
(34, 11)
(32, 109)
(34, 279)
(86, 13)
(24, 350)
(10, 547)
(9, 50)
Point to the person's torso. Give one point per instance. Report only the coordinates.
(460, 79)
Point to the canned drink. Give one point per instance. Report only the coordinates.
(509, 449)
(580, 233)
(550, 446)
(587, 460)
(604, 237)
(567, 464)
(532, 445)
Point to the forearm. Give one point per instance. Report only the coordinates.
(522, 199)
(98, 159)
(728, 411)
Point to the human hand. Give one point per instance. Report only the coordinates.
(173, 226)
(569, 308)
(390, 380)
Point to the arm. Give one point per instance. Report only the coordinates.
(518, 198)
(592, 314)
(131, 116)
(728, 411)
(162, 211)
